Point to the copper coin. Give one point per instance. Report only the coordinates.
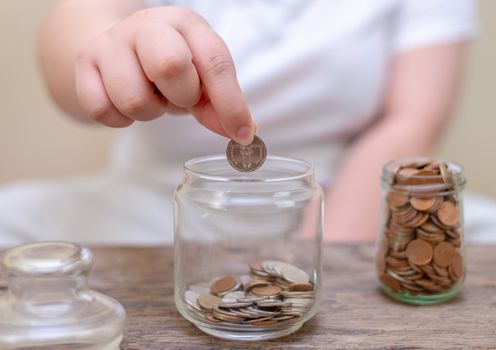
(397, 199)
(381, 263)
(223, 284)
(400, 254)
(411, 288)
(403, 175)
(448, 214)
(246, 158)
(391, 283)
(441, 271)
(446, 282)
(423, 204)
(395, 262)
(428, 285)
(255, 283)
(300, 287)
(457, 266)
(443, 254)
(431, 227)
(211, 318)
(425, 177)
(269, 290)
(414, 277)
(419, 252)
(256, 266)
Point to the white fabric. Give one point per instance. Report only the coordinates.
(313, 72)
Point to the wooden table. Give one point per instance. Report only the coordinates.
(354, 315)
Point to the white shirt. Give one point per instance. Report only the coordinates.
(313, 73)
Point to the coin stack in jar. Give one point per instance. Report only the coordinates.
(421, 251)
(275, 292)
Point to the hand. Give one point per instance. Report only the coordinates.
(158, 60)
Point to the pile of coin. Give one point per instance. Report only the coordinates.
(274, 292)
(421, 250)
(246, 158)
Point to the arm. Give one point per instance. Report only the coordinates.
(116, 62)
(419, 99)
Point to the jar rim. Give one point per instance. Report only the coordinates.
(390, 169)
(307, 169)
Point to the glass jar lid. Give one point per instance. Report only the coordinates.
(48, 302)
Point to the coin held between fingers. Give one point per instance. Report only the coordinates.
(246, 158)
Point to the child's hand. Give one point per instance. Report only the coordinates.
(158, 60)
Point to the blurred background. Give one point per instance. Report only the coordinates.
(38, 141)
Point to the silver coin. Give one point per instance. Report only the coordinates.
(262, 312)
(233, 296)
(245, 279)
(293, 274)
(246, 158)
(274, 304)
(273, 267)
(191, 298)
(250, 299)
(234, 305)
(399, 278)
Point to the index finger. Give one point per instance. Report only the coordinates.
(216, 70)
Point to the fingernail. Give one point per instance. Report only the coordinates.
(244, 135)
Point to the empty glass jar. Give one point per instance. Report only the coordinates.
(248, 247)
(48, 304)
(420, 253)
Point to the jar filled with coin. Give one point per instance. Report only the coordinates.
(420, 255)
(248, 243)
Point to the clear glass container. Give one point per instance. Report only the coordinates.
(420, 245)
(248, 247)
(48, 304)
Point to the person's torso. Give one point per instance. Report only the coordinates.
(313, 73)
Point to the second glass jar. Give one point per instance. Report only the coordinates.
(248, 247)
(420, 253)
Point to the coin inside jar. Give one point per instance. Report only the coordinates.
(254, 302)
(223, 285)
(266, 290)
(421, 248)
(208, 301)
(419, 252)
(246, 158)
(443, 254)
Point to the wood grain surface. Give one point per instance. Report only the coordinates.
(354, 314)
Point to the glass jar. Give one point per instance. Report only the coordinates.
(248, 247)
(48, 304)
(420, 246)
